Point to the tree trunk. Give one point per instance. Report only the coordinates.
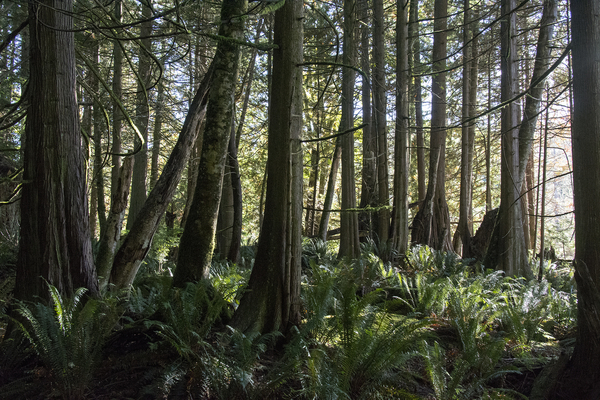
(368, 196)
(111, 234)
(468, 138)
(198, 238)
(55, 243)
(140, 166)
(117, 88)
(512, 252)
(349, 243)
(327, 203)
(137, 243)
(157, 134)
(400, 229)
(415, 68)
(379, 118)
(432, 223)
(533, 100)
(272, 300)
(582, 379)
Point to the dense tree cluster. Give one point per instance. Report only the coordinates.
(215, 124)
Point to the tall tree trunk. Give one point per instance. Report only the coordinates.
(55, 243)
(140, 166)
(379, 118)
(97, 116)
(582, 379)
(432, 223)
(415, 68)
(136, 245)
(468, 137)
(198, 237)
(349, 243)
(511, 250)
(272, 300)
(117, 88)
(533, 100)
(368, 195)
(400, 229)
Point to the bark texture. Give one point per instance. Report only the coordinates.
(511, 248)
(349, 243)
(432, 223)
(272, 299)
(198, 239)
(401, 171)
(55, 243)
(136, 245)
(582, 379)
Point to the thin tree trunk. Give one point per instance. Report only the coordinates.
(368, 195)
(468, 138)
(328, 202)
(401, 171)
(416, 50)
(157, 134)
(111, 234)
(140, 166)
(380, 122)
(349, 243)
(117, 88)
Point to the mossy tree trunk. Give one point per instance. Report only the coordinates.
(198, 239)
(136, 245)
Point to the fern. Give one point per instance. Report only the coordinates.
(67, 336)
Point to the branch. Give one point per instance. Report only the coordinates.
(334, 136)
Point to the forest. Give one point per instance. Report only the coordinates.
(301, 199)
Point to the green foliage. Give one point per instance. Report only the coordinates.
(228, 278)
(67, 336)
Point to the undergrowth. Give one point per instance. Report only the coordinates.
(434, 327)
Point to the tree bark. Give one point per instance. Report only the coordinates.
(140, 166)
(137, 243)
(272, 300)
(432, 223)
(349, 242)
(582, 379)
(329, 191)
(415, 69)
(511, 249)
(157, 134)
(55, 243)
(380, 122)
(198, 238)
(368, 195)
(468, 138)
(117, 88)
(400, 231)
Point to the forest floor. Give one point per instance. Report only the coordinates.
(145, 359)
